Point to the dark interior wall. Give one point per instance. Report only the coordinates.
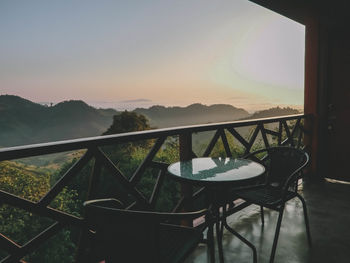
(332, 96)
(337, 102)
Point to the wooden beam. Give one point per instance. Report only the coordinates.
(311, 91)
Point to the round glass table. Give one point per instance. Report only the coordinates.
(209, 171)
(219, 176)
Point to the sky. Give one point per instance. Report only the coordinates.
(132, 53)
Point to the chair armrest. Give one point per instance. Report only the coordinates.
(249, 187)
(116, 207)
(298, 174)
(291, 180)
(108, 202)
(183, 215)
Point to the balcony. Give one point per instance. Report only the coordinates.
(227, 139)
(326, 98)
(327, 201)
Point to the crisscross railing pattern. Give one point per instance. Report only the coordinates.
(281, 134)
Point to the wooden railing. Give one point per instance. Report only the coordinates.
(281, 133)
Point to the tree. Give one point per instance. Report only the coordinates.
(128, 122)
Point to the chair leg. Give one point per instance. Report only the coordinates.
(210, 240)
(219, 241)
(278, 227)
(222, 230)
(306, 219)
(219, 238)
(262, 215)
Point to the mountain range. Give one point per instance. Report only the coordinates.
(273, 112)
(197, 113)
(25, 122)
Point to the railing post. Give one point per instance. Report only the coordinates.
(185, 141)
(91, 194)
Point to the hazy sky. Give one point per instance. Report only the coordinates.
(151, 52)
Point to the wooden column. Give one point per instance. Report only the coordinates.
(311, 91)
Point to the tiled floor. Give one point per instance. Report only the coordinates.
(329, 215)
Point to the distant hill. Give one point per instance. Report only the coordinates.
(25, 122)
(161, 116)
(273, 112)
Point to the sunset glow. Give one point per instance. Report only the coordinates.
(141, 53)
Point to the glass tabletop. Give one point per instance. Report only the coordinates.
(216, 170)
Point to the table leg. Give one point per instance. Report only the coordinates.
(249, 244)
(210, 240)
(219, 233)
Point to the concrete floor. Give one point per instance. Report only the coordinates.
(329, 214)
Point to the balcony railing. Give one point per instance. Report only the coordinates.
(287, 130)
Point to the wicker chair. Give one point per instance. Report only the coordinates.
(284, 167)
(121, 235)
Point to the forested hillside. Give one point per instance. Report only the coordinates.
(25, 122)
(273, 112)
(161, 116)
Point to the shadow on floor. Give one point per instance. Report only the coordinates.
(329, 214)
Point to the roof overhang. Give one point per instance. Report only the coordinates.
(331, 13)
(296, 10)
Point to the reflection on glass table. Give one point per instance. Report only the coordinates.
(216, 170)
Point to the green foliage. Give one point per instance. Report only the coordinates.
(76, 190)
(128, 122)
(170, 191)
(21, 226)
(59, 248)
(23, 181)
